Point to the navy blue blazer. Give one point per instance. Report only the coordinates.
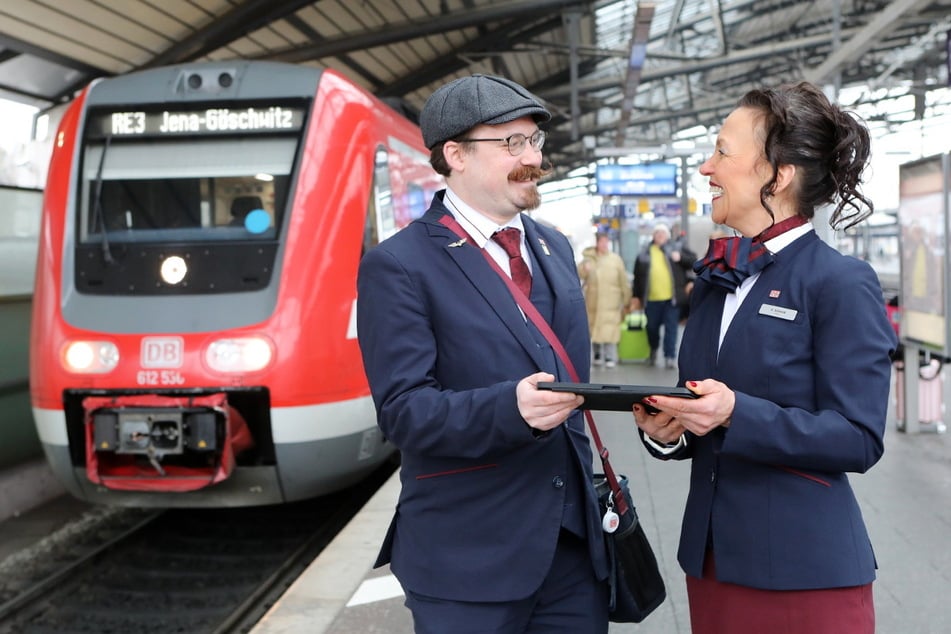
(807, 355)
(444, 345)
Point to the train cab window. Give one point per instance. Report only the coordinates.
(182, 191)
(216, 203)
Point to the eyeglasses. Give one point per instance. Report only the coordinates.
(516, 142)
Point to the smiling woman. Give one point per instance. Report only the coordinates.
(788, 348)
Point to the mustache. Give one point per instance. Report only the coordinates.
(530, 172)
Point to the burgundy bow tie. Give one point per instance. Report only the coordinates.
(729, 261)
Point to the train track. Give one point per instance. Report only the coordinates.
(199, 571)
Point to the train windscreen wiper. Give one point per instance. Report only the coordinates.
(98, 215)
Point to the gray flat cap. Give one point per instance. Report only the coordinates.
(468, 101)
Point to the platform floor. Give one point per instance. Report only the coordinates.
(906, 500)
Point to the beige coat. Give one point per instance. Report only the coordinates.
(606, 294)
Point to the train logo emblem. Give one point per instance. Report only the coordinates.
(162, 352)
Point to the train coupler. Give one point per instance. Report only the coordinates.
(147, 442)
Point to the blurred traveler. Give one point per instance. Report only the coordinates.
(678, 243)
(660, 287)
(497, 527)
(606, 295)
(788, 347)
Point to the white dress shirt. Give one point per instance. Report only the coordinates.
(480, 228)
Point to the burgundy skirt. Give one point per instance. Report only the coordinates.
(726, 608)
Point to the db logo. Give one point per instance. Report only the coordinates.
(162, 352)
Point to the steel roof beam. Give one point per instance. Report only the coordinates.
(737, 56)
(640, 34)
(500, 38)
(20, 46)
(862, 41)
(413, 29)
(220, 32)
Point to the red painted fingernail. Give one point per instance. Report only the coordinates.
(692, 383)
(650, 399)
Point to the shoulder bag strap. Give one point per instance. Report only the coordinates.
(620, 501)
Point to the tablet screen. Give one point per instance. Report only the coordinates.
(614, 397)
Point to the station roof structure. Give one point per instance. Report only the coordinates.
(615, 73)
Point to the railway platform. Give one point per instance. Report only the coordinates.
(906, 500)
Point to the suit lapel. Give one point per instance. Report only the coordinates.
(768, 281)
(542, 252)
(484, 281)
(545, 259)
(706, 310)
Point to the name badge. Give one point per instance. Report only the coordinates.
(778, 311)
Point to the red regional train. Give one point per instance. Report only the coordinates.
(193, 336)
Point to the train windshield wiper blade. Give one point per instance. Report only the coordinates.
(98, 215)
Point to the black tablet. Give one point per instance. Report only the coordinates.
(618, 398)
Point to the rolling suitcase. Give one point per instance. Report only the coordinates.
(930, 397)
(633, 345)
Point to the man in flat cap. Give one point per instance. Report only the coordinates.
(497, 527)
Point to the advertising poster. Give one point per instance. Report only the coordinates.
(922, 216)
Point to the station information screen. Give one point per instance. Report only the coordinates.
(652, 179)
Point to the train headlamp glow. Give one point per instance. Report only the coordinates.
(241, 354)
(90, 357)
(173, 270)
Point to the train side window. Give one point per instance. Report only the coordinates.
(380, 223)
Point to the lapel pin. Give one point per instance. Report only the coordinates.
(457, 244)
(544, 246)
(774, 294)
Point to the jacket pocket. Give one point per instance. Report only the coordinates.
(440, 474)
(807, 476)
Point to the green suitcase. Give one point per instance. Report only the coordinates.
(633, 345)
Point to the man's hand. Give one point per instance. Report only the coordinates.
(544, 409)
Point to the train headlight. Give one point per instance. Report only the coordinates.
(240, 354)
(173, 270)
(90, 357)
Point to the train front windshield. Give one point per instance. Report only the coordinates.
(218, 189)
(215, 196)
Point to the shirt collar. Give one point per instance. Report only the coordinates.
(783, 240)
(479, 227)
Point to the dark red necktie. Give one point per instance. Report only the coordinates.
(510, 239)
(729, 261)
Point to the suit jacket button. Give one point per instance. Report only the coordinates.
(713, 476)
(557, 482)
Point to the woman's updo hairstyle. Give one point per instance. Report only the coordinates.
(829, 147)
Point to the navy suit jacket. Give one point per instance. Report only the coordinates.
(807, 355)
(444, 345)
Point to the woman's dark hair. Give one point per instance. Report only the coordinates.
(829, 147)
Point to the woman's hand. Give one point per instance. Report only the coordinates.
(661, 427)
(700, 416)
